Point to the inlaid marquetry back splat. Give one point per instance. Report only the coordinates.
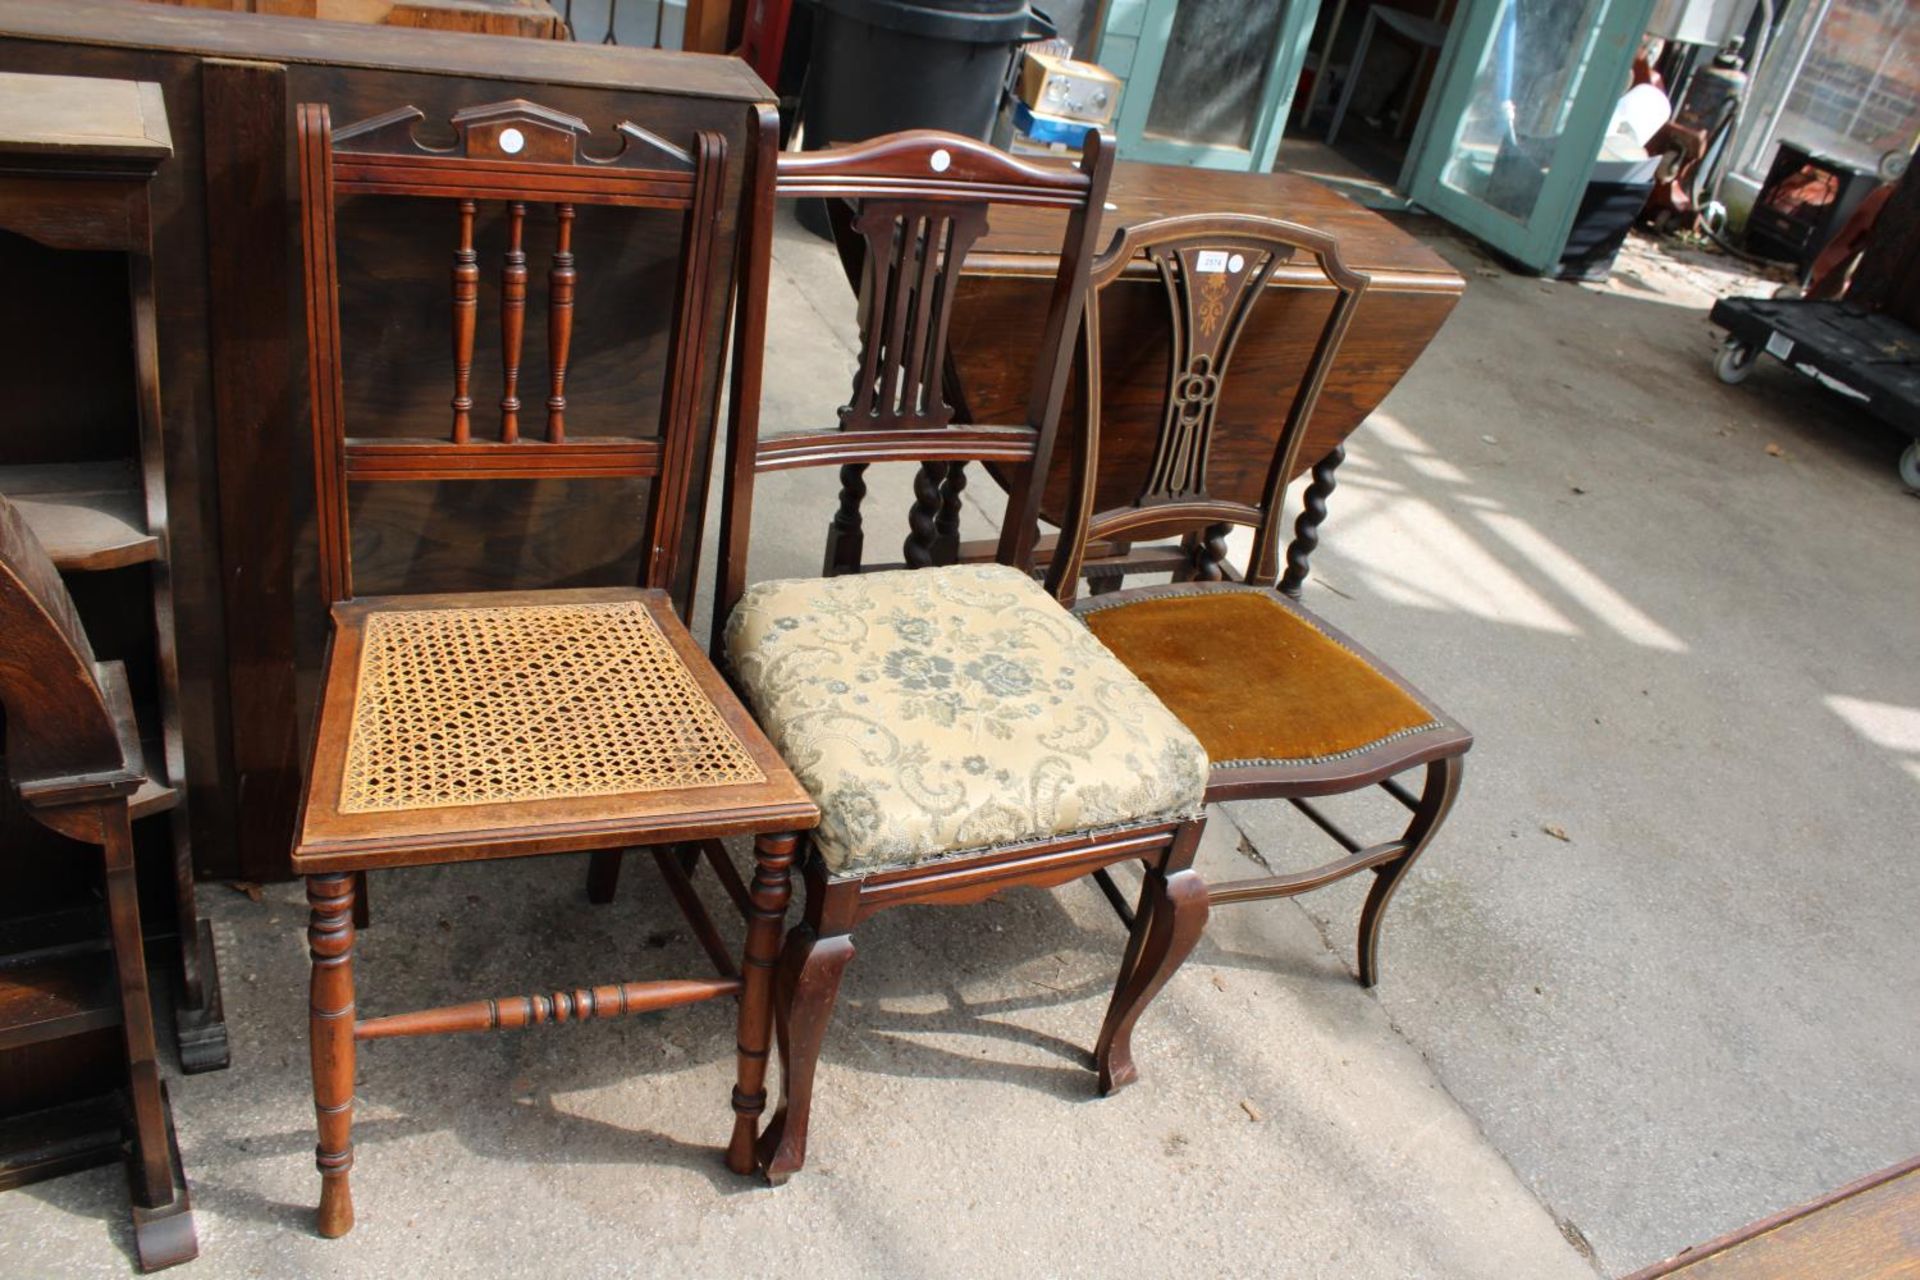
(1214, 270)
(538, 165)
(1210, 294)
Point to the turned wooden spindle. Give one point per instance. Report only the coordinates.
(772, 886)
(331, 1016)
(466, 302)
(513, 319)
(560, 283)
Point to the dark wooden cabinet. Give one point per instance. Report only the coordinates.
(249, 609)
(82, 465)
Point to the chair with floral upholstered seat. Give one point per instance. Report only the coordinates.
(960, 731)
(1287, 707)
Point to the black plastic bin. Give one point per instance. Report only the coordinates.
(880, 66)
(1606, 214)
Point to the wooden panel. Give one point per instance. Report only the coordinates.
(232, 360)
(250, 292)
(75, 116)
(47, 999)
(245, 35)
(1867, 1230)
(88, 515)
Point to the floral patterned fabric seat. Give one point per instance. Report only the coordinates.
(933, 711)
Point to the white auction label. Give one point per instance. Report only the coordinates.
(1212, 261)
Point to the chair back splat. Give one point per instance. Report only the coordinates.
(908, 208)
(1214, 270)
(529, 159)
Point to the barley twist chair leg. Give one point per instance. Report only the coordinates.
(330, 1025)
(772, 889)
(1436, 798)
(809, 981)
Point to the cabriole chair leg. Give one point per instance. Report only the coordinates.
(1436, 798)
(1171, 917)
(809, 982)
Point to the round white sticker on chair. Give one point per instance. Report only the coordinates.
(512, 140)
(939, 161)
(1235, 263)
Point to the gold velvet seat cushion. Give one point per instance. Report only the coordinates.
(1256, 679)
(934, 711)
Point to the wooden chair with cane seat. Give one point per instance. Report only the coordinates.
(1287, 707)
(961, 733)
(453, 728)
(74, 759)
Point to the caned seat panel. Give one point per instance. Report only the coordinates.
(446, 718)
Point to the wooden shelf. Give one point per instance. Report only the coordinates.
(57, 994)
(157, 794)
(88, 515)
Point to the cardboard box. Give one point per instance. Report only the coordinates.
(1068, 90)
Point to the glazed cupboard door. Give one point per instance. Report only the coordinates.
(1526, 88)
(1209, 82)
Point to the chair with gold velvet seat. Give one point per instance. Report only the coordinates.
(1286, 706)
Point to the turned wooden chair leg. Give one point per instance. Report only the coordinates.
(772, 888)
(1436, 798)
(603, 875)
(809, 980)
(1171, 916)
(330, 1026)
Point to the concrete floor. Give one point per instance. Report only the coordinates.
(1689, 653)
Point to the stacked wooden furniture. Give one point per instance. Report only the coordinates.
(74, 763)
(234, 366)
(83, 463)
(460, 727)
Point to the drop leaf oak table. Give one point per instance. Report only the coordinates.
(1002, 304)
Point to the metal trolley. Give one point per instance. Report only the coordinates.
(1868, 357)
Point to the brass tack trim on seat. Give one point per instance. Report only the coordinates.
(528, 702)
(1338, 755)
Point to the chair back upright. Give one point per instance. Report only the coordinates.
(915, 203)
(519, 154)
(1214, 270)
(60, 730)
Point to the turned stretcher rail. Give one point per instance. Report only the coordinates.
(584, 1004)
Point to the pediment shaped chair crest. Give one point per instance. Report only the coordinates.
(74, 759)
(515, 723)
(1288, 707)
